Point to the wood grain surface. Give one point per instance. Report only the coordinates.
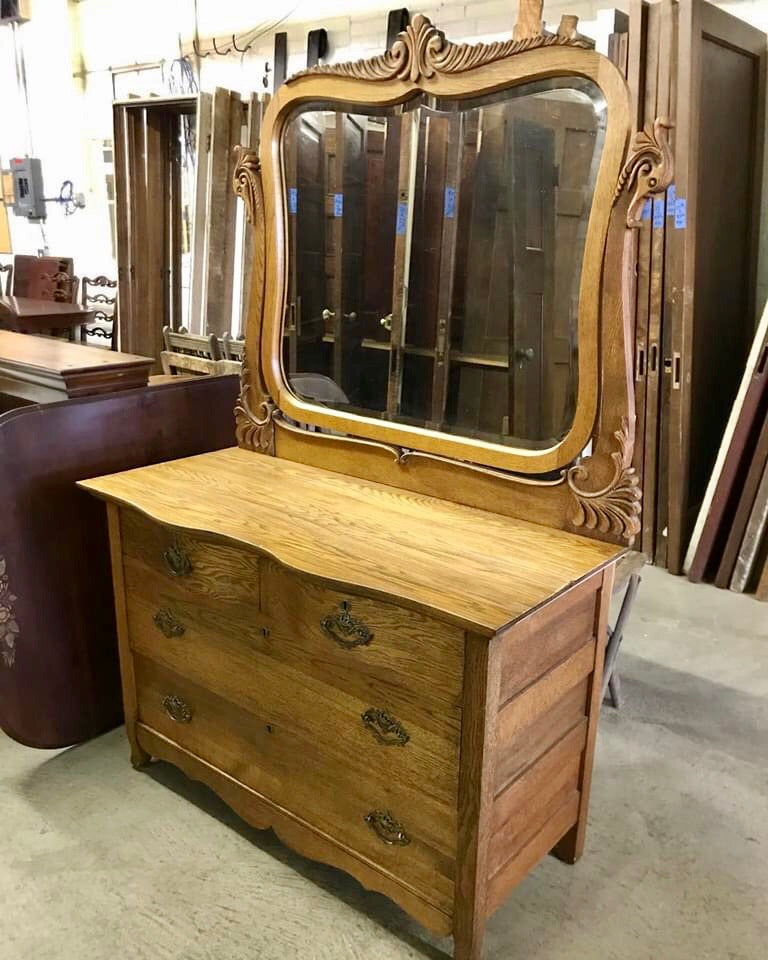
(418, 549)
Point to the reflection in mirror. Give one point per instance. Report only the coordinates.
(435, 255)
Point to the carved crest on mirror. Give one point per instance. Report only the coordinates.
(546, 475)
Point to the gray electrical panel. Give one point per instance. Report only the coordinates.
(28, 194)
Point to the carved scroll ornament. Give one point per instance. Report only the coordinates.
(421, 51)
(614, 507)
(254, 429)
(9, 627)
(649, 169)
(255, 409)
(246, 181)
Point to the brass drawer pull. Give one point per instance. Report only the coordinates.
(177, 709)
(387, 828)
(385, 727)
(177, 561)
(345, 629)
(168, 624)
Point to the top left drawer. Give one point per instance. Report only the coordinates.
(204, 568)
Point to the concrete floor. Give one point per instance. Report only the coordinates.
(99, 862)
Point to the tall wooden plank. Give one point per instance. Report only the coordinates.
(447, 269)
(745, 415)
(200, 215)
(219, 229)
(409, 141)
(753, 537)
(648, 289)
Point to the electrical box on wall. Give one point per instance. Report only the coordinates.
(28, 196)
(14, 11)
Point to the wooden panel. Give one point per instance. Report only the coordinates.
(519, 751)
(542, 696)
(746, 501)
(218, 571)
(219, 226)
(293, 830)
(523, 808)
(545, 638)
(516, 869)
(421, 550)
(270, 754)
(753, 537)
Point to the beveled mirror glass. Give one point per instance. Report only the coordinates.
(435, 252)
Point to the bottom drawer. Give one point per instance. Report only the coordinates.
(404, 835)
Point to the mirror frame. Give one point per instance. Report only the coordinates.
(599, 493)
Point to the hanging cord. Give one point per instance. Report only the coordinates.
(21, 79)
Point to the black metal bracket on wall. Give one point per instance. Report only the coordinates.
(317, 46)
(397, 21)
(281, 60)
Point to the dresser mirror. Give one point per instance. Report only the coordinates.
(435, 255)
(442, 293)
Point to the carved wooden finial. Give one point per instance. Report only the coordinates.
(529, 21)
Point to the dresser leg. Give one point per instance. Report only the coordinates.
(469, 945)
(571, 847)
(139, 756)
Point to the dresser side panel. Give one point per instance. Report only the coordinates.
(546, 725)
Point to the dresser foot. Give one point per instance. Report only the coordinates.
(468, 948)
(139, 757)
(571, 847)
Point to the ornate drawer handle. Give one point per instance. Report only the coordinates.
(345, 629)
(177, 709)
(385, 727)
(177, 560)
(387, 828)
(168, 624)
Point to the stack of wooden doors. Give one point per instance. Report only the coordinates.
(730, 540)
(704, 70)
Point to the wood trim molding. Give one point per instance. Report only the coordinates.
(421, 52)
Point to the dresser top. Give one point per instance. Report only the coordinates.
(473, 567)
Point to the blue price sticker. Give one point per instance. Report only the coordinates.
(402, 218)
(338, 204)
(293, 200)
(449, 210)
(658, 213)
(671, 199)
(681, 213)
(647, 209)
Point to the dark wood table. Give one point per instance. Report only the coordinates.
(44, 369)
(31, 315)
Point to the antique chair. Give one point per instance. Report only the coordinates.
(105, 322)
(7, 269)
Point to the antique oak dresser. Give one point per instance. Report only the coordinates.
(377, 626)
